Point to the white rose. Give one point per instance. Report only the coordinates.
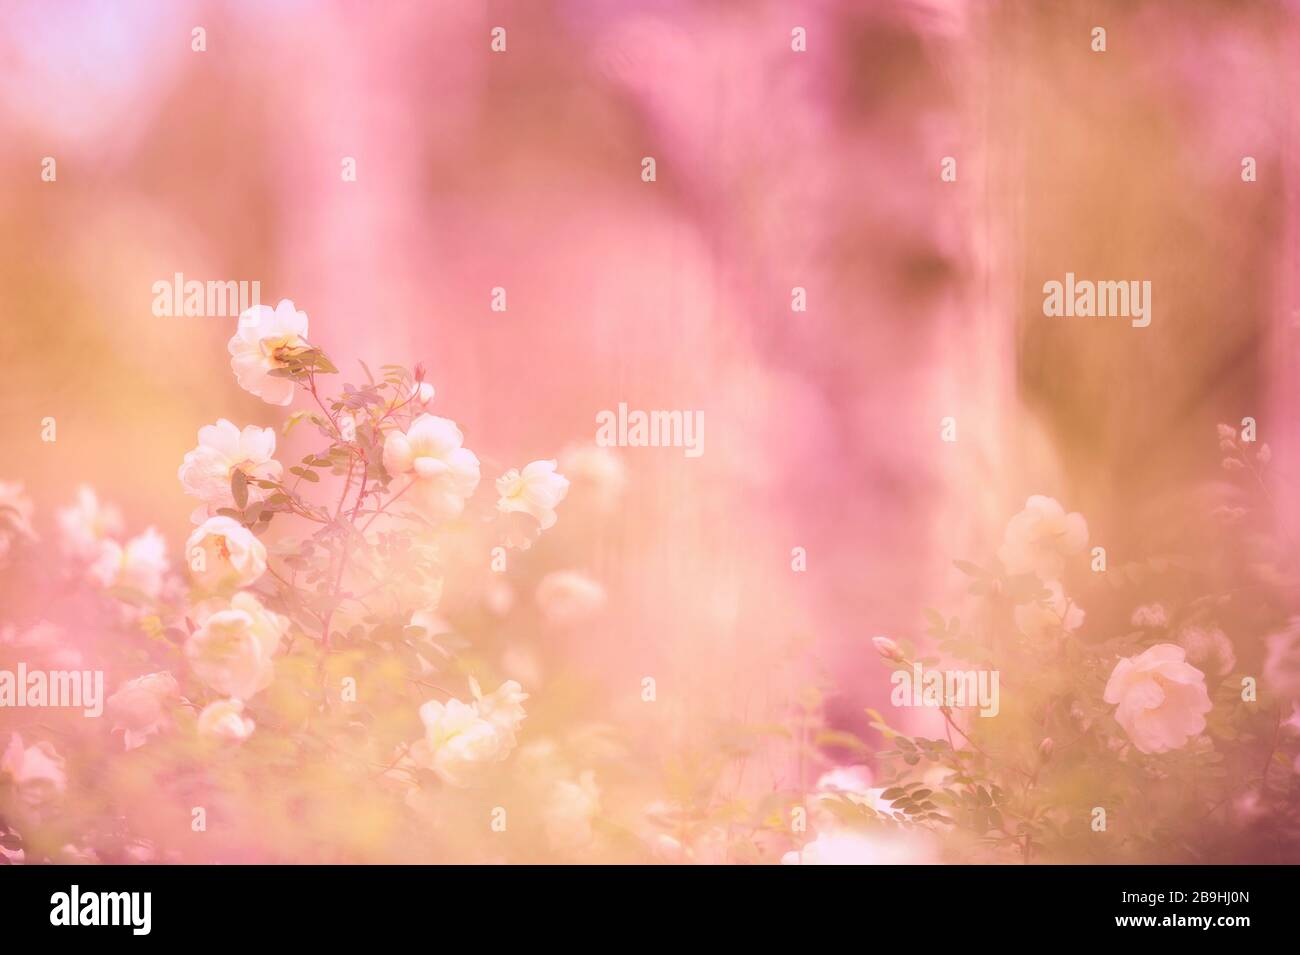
(224, 553)
(435, 473)
(141, 707)
(224, 720)
(535, 490)
(139, 564)
(1162, 700)
(457, 741)
(233, 650)
(87, 524)
(264, 331)
(1041, 537)
(504, 709)
(223, 449)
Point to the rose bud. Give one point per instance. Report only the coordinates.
(887, 648)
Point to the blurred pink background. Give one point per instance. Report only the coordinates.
(775, 169)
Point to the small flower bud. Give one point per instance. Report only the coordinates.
(887, 648)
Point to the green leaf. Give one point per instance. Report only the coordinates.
(292, 421)
(323, 364)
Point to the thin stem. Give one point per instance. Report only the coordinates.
(948, 718)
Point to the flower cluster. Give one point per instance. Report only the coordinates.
(301, 631)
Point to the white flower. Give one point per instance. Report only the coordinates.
(503, 709)
(140, 564)
(224, 720)
(36, 772)
(1041, 537)
(140, 707)
(16, 510)
(1209, 650)
(457, 741)
(569, 811)
(224, 553)
(567, 597)
(535, 490)
(87, 524)
(854, 847)
(436, 473)
(233, 650)
(223, 449)
(264, 331)
(1162, 698)
(1053, 615)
